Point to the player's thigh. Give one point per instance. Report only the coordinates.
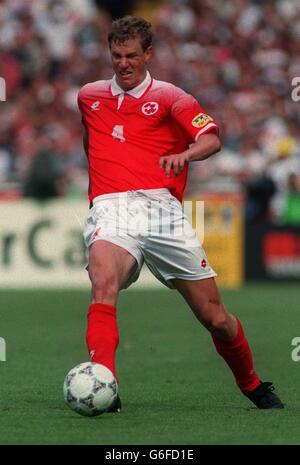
(110, 264)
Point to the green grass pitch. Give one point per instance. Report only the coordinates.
(175, 389)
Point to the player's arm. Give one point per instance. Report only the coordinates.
(199, 127)
(80, 98)
(86, 142)
(204, 147)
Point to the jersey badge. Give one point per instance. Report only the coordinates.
(201, 120)
(150, 108)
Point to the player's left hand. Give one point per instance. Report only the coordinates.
(174, 162)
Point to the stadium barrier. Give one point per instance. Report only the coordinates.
(42, 246)
(272, 252)
(224, 236)
(42, 243)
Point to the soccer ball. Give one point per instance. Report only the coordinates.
(90, 389)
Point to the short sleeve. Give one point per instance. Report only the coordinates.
(79, 98)
(80, 104)
(188, 113)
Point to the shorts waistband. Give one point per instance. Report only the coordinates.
(131, 194)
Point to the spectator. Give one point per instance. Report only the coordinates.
(291, 207)
(46, 176)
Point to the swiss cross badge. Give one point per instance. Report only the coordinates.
(150, 108)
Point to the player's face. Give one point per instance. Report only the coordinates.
(129, 62)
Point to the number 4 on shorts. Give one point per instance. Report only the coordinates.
(118, 133)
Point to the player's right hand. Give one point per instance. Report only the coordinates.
(174, 163)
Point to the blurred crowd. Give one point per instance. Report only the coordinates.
(237, 57)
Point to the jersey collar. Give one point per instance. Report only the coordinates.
(136, 92)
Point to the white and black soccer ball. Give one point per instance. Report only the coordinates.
(90, 389)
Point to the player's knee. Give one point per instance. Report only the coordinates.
(219, 325)
(217, 319)
(104, 287)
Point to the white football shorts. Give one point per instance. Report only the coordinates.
(151, 226)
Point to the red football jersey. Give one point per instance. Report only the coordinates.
(129, 131)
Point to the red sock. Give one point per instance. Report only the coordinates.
(102, 335)
(236, 353)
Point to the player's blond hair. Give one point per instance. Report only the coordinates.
(131, 27)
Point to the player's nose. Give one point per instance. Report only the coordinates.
(123, 63)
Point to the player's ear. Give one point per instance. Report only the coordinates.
(148, 53)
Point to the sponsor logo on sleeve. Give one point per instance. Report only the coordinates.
(201, 120)
(95, 106)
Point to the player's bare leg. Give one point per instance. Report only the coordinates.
(109, 268)
(204, 299)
